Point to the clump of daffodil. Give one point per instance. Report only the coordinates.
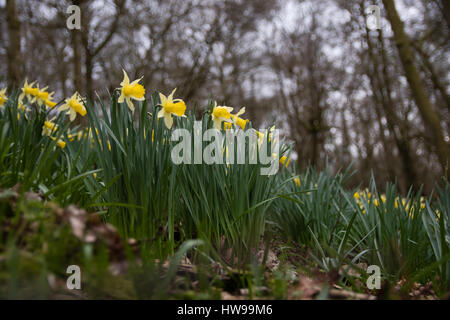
(29, 92)
(3, 97)
(42, 95)
(129, 91)
(237, 120)
(223, 114)
(48, 129)
(171, 106)
(74, 105)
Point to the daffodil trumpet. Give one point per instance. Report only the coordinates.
(169, 107)
(131, 90)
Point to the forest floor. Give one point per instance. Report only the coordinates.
(49, 238)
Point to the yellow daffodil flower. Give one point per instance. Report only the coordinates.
(50, 104)
(220, 114)
(132, 90)
(237, 120)
(171, 106)
(356, 195)
(261, 135)
(240, 122)
(48, 101)
(223, 114)
(297, 181)
(260, 138)
(49, 127)
(71, 136)
(21, 107)
(284, 161)
(60, 143)
(42, 95)
(3, 97)
(80, 134)
(74, 105)
(29, 92)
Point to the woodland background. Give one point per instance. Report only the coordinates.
(341, 92)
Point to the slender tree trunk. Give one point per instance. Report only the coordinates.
(446, 11)
(89, 68)
(430, 117)
(403, 141)
(75, 36)
(14, 55)
(382, 93)
(77, 71)
(92, 52)
(315, 147)
(438, 85)
(387, 145)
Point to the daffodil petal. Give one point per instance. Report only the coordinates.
(168, 120)
(242, 111)
(64, 107)
(72, 114)
(170, 97)
(163, 98)
(217, 124)
(126, 80)
(130, 104)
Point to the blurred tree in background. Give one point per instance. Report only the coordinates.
(340, 90)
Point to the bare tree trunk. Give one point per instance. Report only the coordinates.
(315, 148)
(75, 36)
(439, 86)
(77, 71)
(14, 55)
(387, 146)
(91, 52)
(382, 93)
(446, 11)
(429, 116)
(88, 65)
(403, 141)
